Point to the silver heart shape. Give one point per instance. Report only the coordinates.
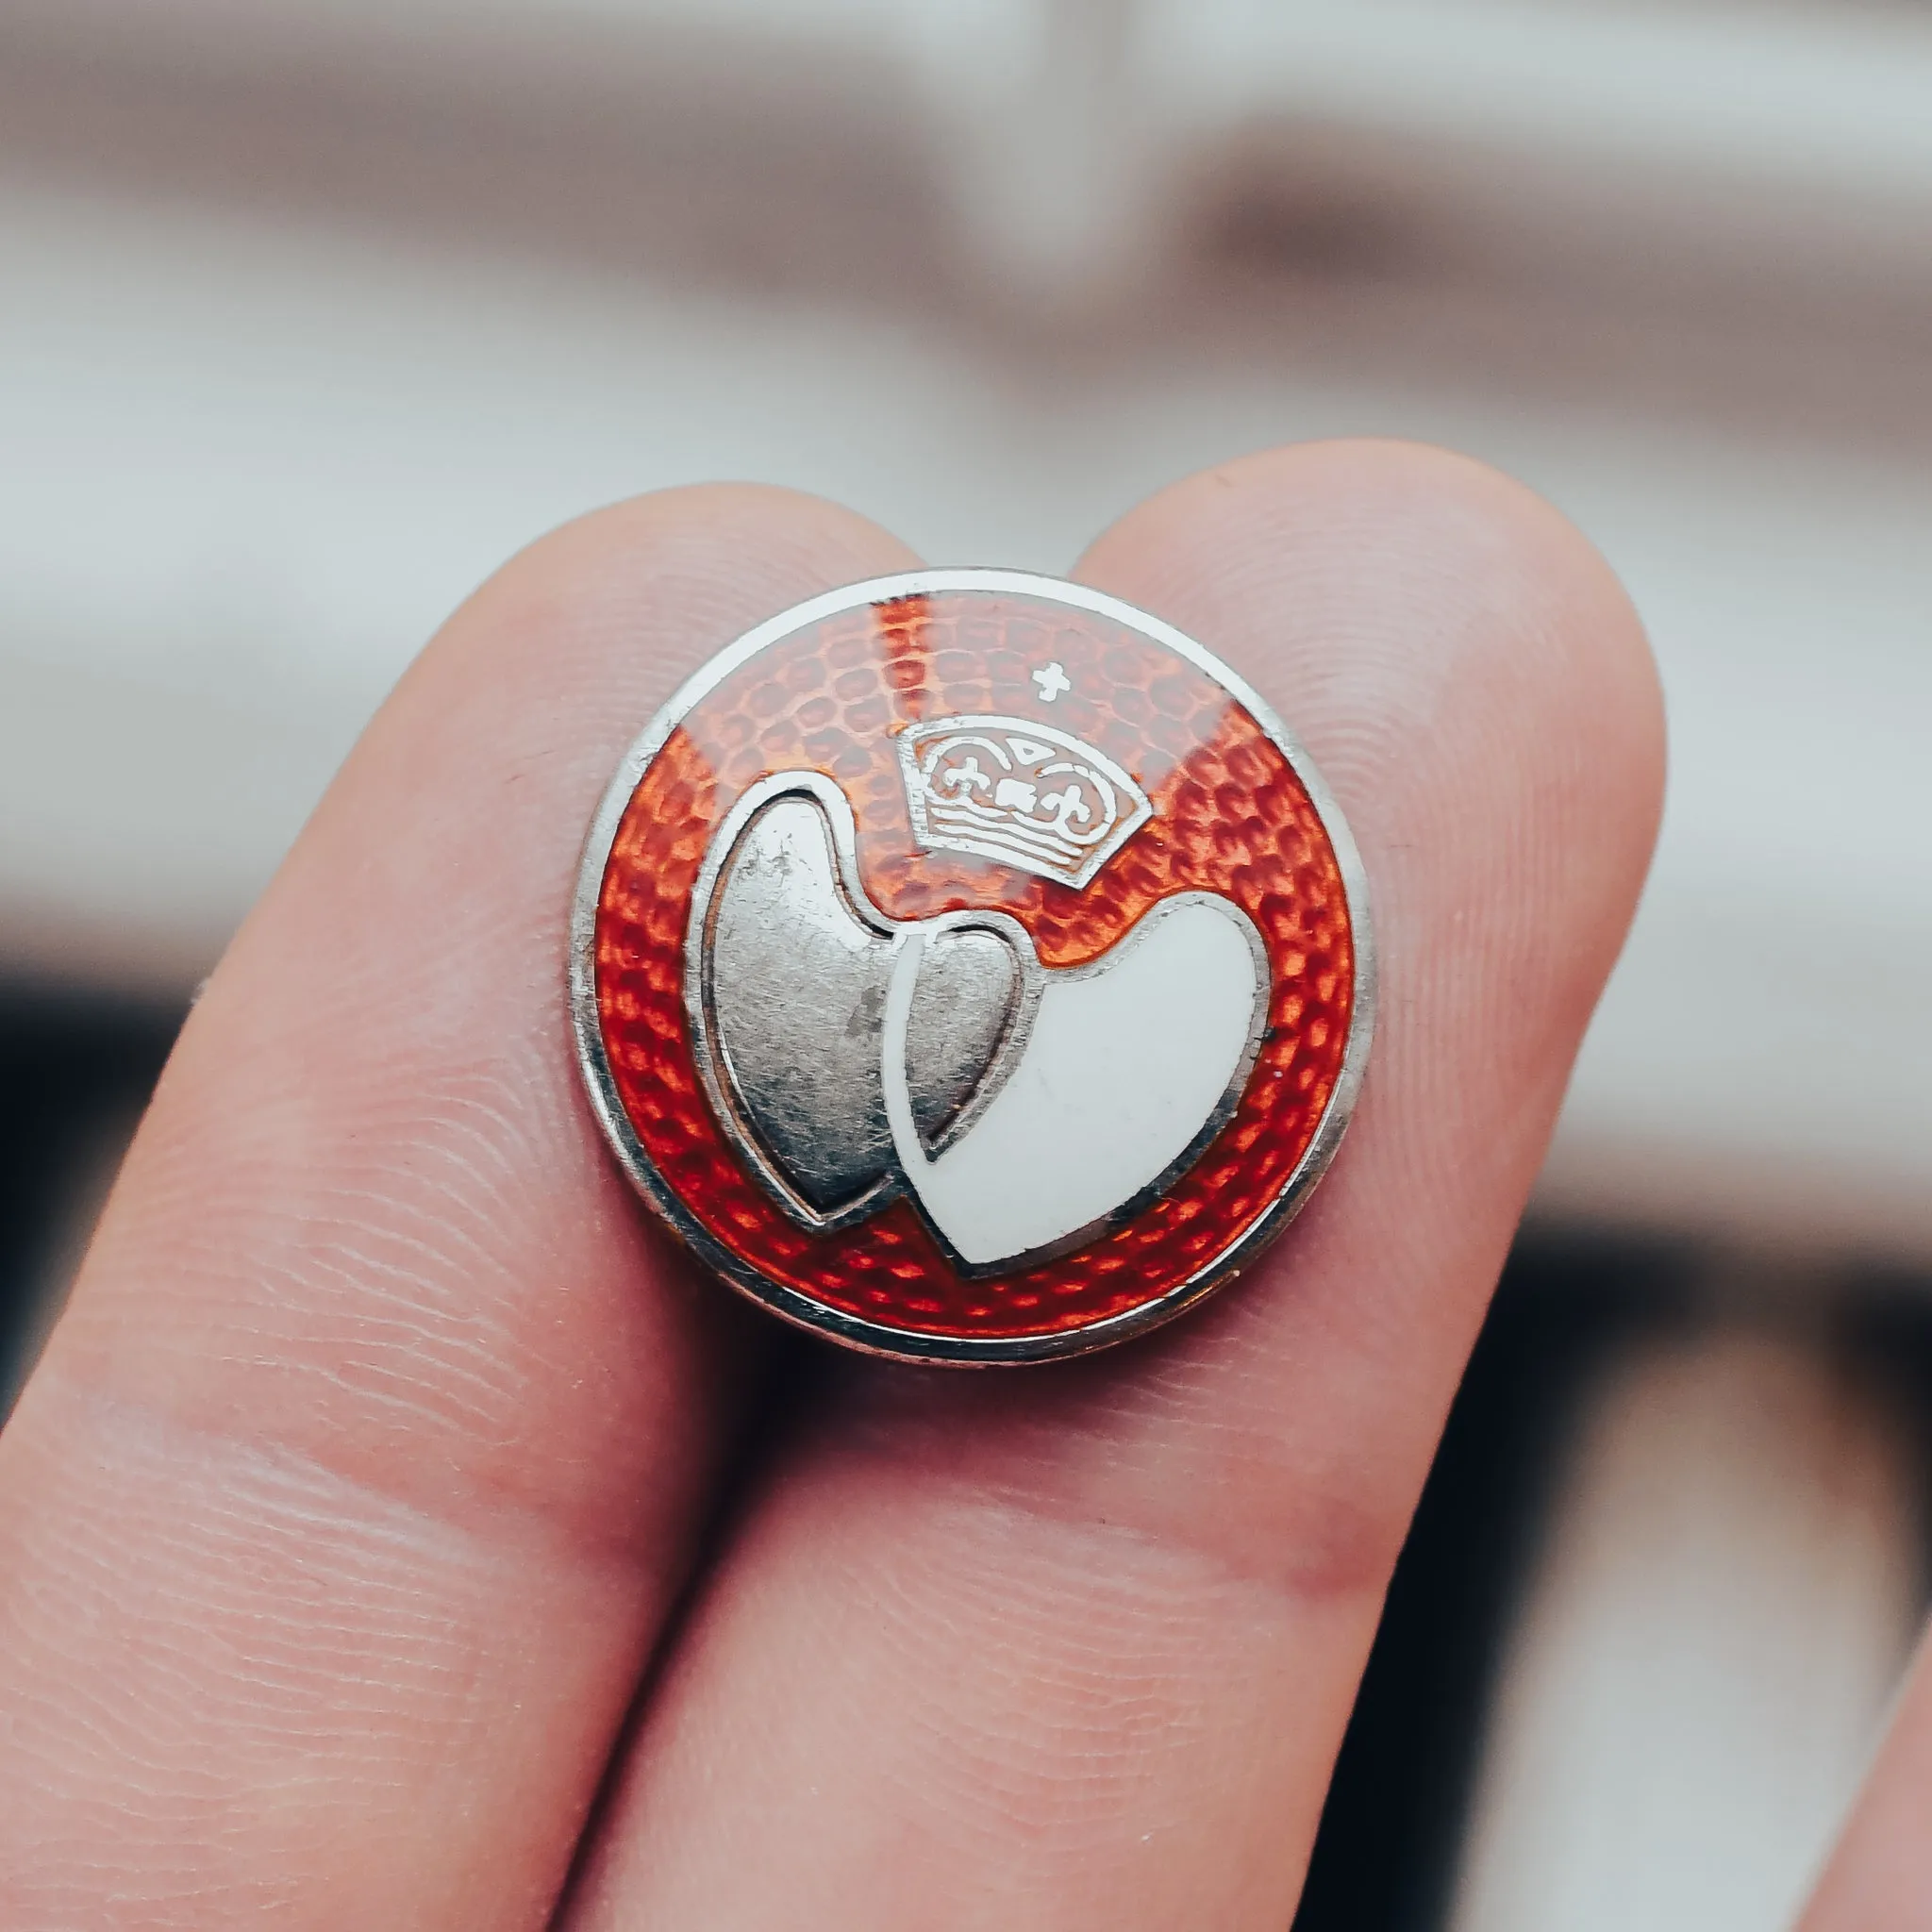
(794, 982)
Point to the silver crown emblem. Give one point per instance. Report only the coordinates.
(1021, 793)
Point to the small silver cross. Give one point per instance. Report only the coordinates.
(1052, 679)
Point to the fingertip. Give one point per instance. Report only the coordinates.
(392, 1021)
(1316, 511)
(668, 575)
(1438, 635)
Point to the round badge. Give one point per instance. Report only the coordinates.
(971, 968)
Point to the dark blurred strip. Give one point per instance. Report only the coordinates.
(1385, 1858)
(77, 1069)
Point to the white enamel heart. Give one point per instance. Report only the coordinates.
(1130, 1064)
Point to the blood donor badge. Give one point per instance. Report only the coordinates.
(971, 968)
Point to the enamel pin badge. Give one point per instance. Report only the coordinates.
(971, 968)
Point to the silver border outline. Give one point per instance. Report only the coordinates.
(854, 1331)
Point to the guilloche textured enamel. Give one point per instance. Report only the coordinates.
(1230, 817)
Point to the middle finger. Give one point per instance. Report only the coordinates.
(1074, 1646)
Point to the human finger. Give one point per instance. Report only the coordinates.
(1075, 1646)
(344, 1511)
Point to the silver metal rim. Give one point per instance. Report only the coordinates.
(855, 1331)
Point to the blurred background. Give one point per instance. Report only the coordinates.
(311, 313)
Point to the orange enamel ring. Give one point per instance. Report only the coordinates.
(971, 968)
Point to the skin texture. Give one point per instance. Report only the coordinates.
(351, 1507)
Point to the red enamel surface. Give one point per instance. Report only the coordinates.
(1230, 817)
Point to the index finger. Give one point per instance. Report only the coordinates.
(342, 1513)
